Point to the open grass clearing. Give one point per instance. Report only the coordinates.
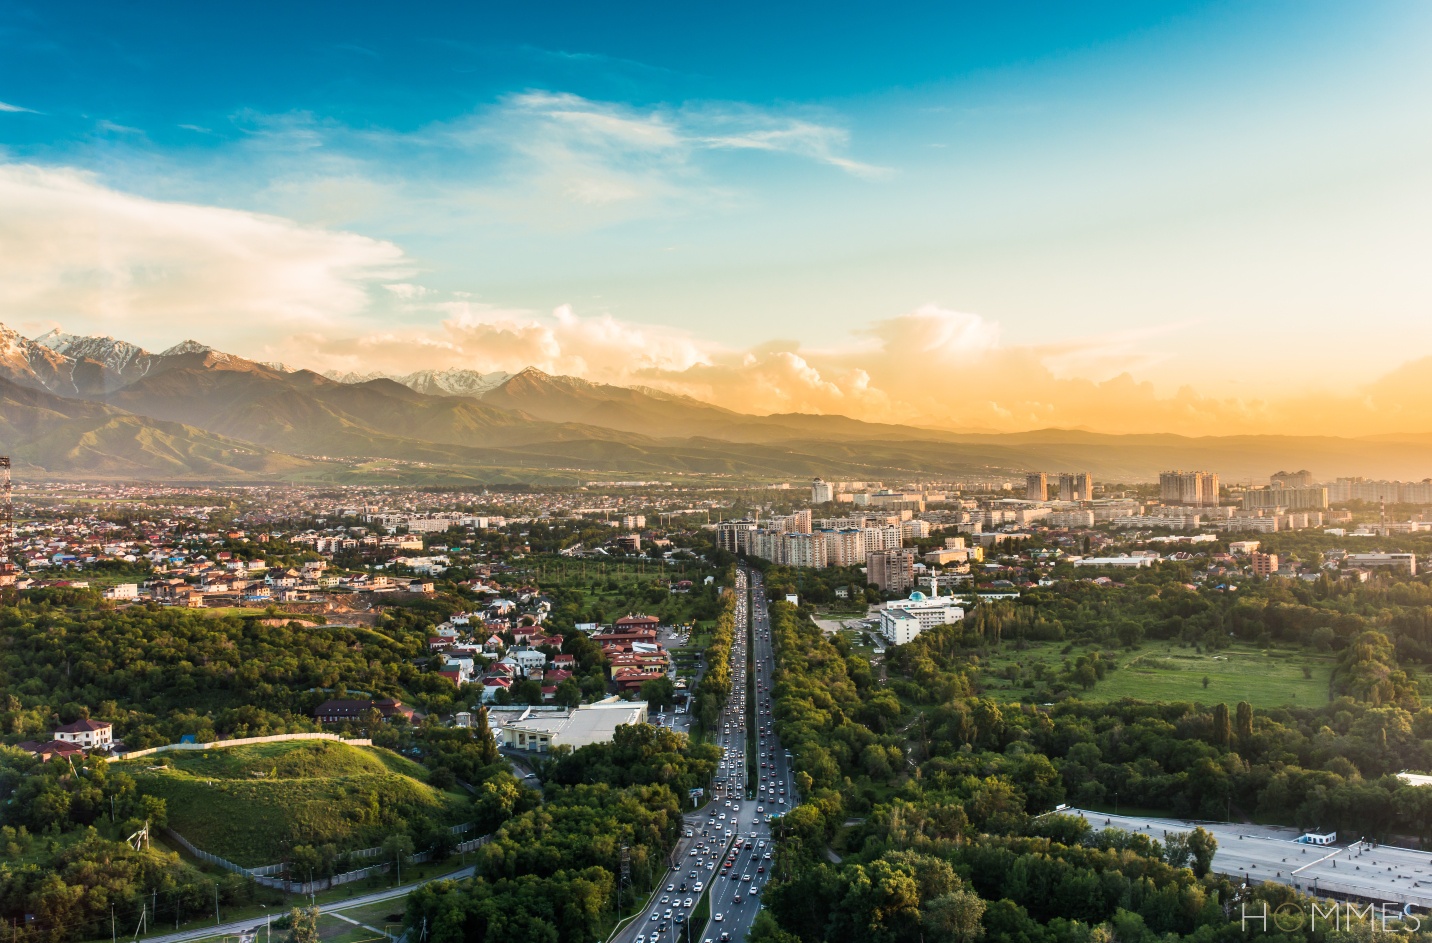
(250, 804)
(1166, 671)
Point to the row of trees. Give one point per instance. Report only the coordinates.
(714, 689)
(551, 874)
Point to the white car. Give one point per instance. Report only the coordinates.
(718, 918)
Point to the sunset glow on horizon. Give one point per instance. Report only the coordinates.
(1200, 218)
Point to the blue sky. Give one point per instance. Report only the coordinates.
(1101, 202)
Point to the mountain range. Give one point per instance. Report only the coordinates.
(100, 407)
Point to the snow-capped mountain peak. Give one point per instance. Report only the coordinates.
(114, 354)
(188, 347)
(453, 382)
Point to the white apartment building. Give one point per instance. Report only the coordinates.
(822, 492)
(1070, 519)
(914, 530)
(883, 537)
(1161, 521)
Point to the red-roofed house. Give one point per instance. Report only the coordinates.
(631, 678)
(52, 749)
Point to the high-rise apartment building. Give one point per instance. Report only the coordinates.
(1036, 486)
(1297, 499)
(891, 570)
(1198, 488)
(1373, 492)
(1077, 487)
(804, 550)
(1297, 479)
(843, 547)
(734, 536)
(822, 492)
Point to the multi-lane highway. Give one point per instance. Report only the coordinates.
(727, 850)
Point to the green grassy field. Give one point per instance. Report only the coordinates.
(1167, 672)
(250, 804)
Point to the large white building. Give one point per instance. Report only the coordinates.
(89, 734)
(1396, 561)
(540, 731)
(821, 492)
(902, 620)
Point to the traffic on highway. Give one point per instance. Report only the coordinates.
(726, 851)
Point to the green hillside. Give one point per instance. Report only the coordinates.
(250, 804)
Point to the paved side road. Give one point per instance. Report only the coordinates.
(242, 926)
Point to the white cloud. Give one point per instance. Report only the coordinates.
(16, 109)
(93, 258)
(557, 159)
(461, 333)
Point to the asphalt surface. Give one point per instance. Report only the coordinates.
(1259, 854)
(247, 927)
(702, 857)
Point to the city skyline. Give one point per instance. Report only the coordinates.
(1202, 218)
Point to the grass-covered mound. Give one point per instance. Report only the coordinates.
(251, 804)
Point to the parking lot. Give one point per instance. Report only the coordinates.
(1351, 868)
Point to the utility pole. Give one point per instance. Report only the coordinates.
(216, 905)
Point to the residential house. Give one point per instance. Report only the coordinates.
(87, 734)
(347, 710)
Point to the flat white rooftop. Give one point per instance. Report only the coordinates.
(1262, 854)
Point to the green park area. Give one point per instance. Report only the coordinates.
(253, 804)
(1166, 672)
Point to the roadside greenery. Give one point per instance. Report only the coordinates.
(551, 874)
